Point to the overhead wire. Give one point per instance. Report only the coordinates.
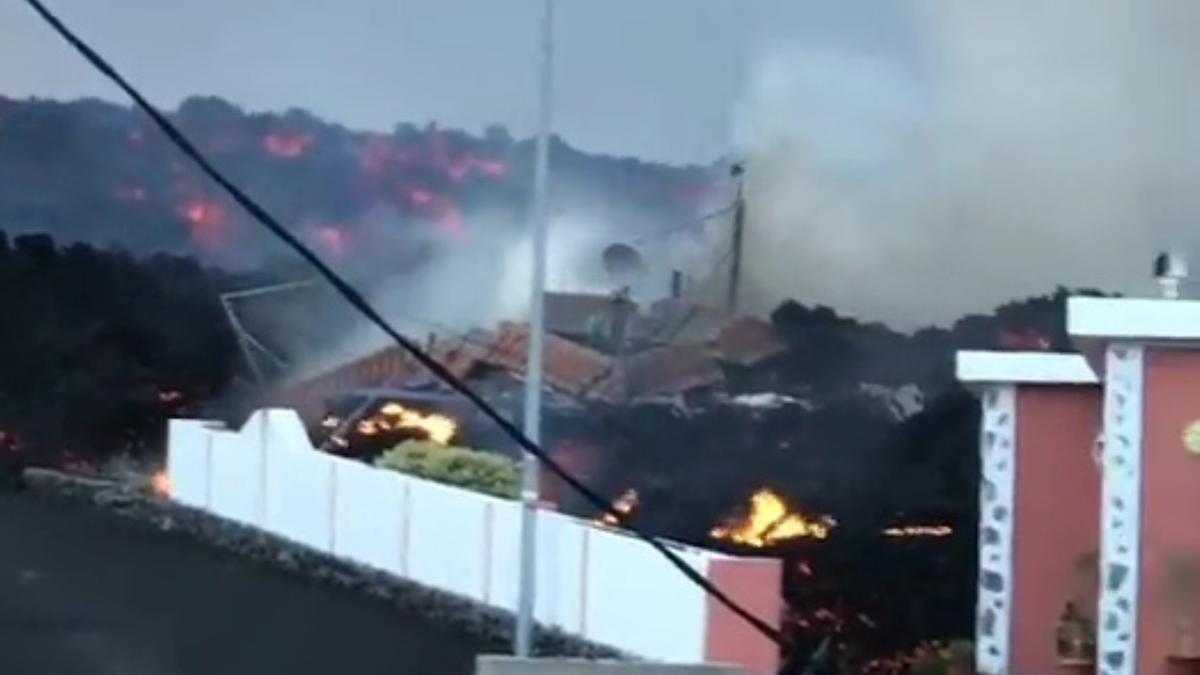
(356, 300)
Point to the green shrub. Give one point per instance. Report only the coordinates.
(484, 472)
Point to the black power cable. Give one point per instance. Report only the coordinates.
(356, 300)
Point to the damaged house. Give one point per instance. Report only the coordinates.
(601, 352)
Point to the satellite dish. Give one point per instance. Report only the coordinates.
(623, 264)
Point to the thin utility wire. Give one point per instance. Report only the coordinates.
(357, 301)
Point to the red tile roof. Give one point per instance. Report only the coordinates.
(570, 368)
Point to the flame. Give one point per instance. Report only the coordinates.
(919, 531)
(623, 506)
(287, 145)
(160, 484)
(770, 521)
(439, 428)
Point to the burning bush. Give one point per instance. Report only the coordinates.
(484, 472)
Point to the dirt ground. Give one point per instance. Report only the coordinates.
(83, 592)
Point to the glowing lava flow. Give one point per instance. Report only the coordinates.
(207, 221)
(428, 203)
(905, 531)
(287, 145)
(770, 521)
(160, 484)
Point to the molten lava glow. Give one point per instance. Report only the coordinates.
(160, 484)
(439, 208)
(770, 521)
(287, 145)
(919, 531)
(332, 238)
(207, 222)
(439, 428)
(458, 169)
(379, 155)
(624, 505)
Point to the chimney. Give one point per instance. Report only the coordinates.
(676, 284)
(1170, 269)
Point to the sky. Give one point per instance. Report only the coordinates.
(656, 79)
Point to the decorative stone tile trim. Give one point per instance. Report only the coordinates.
(998, 459)
(1120, 510)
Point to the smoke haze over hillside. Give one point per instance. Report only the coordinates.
(1027, 145)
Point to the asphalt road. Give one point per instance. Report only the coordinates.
(88, 593)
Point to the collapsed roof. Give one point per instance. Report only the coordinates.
(684, 357)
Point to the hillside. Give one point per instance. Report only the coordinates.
(93, 171)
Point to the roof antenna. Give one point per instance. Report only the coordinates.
(1170, 269)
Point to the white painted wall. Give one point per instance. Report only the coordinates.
(299, 500)
(187, 461)
(626, 607)
(592, 582)
(368, 515)
(235, 490)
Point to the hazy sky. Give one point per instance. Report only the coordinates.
(659, 79)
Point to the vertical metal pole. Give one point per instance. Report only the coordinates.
(739, 228)
(523, 642)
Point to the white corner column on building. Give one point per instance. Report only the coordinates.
(1148, 350)
(1040, 416)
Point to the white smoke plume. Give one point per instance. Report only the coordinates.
(1025, 145)
(463, 284)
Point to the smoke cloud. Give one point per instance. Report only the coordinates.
(455, 285)
(1019, 146)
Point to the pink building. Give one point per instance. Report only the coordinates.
(1039, 500)
(1051, 493)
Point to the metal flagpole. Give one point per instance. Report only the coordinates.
(523, 642)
